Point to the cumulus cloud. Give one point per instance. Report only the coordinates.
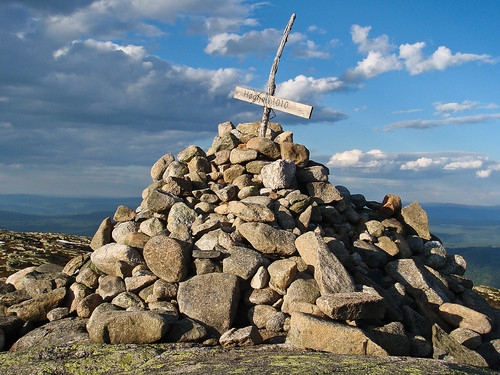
(485, 173)
(302, 88)
(380, 58)
(442, 58)
(380, 163)
(262, 42)
(420, 163)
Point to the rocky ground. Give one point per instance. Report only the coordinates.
(196, 359)
(21, 250)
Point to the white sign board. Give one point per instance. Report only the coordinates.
(269, 101)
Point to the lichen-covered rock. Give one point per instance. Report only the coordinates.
(416, 218)
(278, 175)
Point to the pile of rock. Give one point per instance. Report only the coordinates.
(250, 243)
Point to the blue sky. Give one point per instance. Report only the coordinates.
(405, 94)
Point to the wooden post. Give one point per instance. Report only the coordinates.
(271, 85)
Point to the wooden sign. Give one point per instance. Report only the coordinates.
(269, 101)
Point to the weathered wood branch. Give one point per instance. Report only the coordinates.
(271, 85)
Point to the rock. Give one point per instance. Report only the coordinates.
(388, 245)
(311, 332)
(239, 337)
(329, 273)
(250, 211)
(258, 315)
(211, 299)
(159, 167)
(276, 322)
(351, 306)
(265, 146)
(58, 313)
(228, 141)
(87, 305)
(159, 201)
(417, 280)
(323, 192)
(36, 283)
(281, 272)
(11, 329)
(36, 309)
(278, 175)
(110, 286)
(300, 290)
(464, 317)
(265, 296)
(392, 337)
(295, 152)
(448, 349)
(152, 226)
(255, 166)
(260, 279)
(371, 254)
(467, 338)
(124, 213)
(286, 136)
(74, 265)
(375, 228)
(189, 153)
(122, 230)
(139, 280)
(416, 218)
(242, 262)
(106, 257)
(224, 128)
(126, 300)
(126, 327)
(313, 173)
(186, 330)
(16, 278)
(68, 331)
(166, 258)
(180, 214)
(103, 234)
(238, 156)
(164, 290)
(391, 205)
(268, 240)
(231, 173)
(88, 277)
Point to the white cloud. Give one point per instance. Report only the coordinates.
(441, 59)
(464, 164)
(485, 173)
(460, 107)
(374, 64)
(303, 88)
(370, 160)
(407, 111)
(5, 125)
(360, 36)
(418, 164)
(380, 59)
(231, 44)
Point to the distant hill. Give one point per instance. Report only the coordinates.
(70, 215)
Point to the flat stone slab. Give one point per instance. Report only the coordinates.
(351, 306)
(211, 299)
(310, 332)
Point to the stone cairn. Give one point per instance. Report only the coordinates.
(249, 243)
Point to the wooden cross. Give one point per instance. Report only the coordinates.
(268, 100)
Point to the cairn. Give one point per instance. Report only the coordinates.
(250, 243)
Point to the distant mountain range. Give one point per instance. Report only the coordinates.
(472, 231)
